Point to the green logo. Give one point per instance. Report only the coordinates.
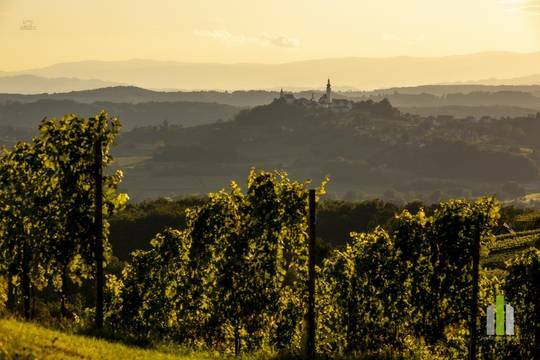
(500, 318)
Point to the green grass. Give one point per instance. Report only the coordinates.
(20, 340)
(23, 340)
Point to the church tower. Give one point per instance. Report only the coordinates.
(328, 92)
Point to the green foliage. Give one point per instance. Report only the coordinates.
(523, 292)
(67, 146)
(26, 210)
(199, 286)
(337, 219)
(3, 294)
(153, 297)
(131, 228)
(413, 280)
(367, 295)
(407, 287)
(47, 204)
(451, 234)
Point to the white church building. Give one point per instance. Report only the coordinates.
(325, 101)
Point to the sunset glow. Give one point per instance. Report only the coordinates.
(260, 31)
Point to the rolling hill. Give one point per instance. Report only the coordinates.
(132, 94)
(363, 73)
(28, 115)
(492, 100)
(370, 149)
(31, 84)
(522, 80)
(440, 90)
(477, 112)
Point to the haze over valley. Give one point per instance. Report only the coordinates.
(361, 73)
(382, 143)
(420, 143)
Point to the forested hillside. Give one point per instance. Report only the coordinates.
(140, 114)
(478, 98)
(172, 148)
(526, 98)
(132, 94)
(372, 150)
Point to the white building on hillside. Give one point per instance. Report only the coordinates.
(325, 101)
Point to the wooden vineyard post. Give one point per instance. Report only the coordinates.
(98, 228)
(310, 346)
(473, 328)
(25, 281)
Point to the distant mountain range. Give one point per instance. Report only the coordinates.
(457, 100)
(31, 84)
(362, 73)
(522, 80)
(442, 90)
(132, 94)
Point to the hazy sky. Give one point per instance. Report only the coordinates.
(266, 31)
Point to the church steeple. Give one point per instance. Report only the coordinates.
(281, 93)
(329, 92)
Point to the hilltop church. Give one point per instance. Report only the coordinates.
(325, 101)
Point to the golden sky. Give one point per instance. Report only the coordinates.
(262, 31)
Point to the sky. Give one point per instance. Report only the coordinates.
(257, 31)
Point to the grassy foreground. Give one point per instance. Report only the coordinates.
(20, 340)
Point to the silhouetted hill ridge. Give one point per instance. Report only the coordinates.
(132, 115)
(363, 73)
(31, 84)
